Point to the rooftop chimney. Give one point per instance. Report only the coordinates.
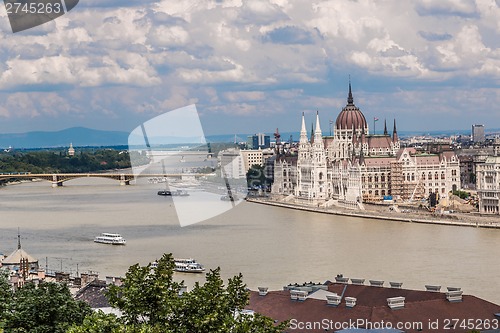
(432, 288)
(454, 295)
(396, 285)
(376, 283)
(396, 302)
(263, 291)
(298, 295)
(341, 279)
(350, 302)
(358, 281)
(333, 299)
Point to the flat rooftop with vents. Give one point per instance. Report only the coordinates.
(374, 302)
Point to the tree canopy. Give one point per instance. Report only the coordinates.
(58, 161)
(44, 308)
(152, 302)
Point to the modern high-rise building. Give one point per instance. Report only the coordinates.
(478, 133)
(259, 140)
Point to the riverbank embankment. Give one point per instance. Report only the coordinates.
(463, 220)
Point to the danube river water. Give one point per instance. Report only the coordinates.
(271, 246)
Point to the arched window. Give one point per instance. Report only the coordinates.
(442, 175)
(436, 176)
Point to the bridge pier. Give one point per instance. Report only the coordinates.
(123, 180)
(55, 181)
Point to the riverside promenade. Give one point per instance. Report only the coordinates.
(383, 213)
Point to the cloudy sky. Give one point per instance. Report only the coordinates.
(254, 65)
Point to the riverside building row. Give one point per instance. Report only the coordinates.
(354, 166)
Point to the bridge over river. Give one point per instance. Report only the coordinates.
(57, 179)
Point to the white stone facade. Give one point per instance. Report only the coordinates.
(352, 166)
(488, 185)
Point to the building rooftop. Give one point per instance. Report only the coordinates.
(371, 306)
(94, 294)
(15, 258)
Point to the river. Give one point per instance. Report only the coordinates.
(271, 246)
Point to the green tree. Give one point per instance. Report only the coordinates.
(147, 294)
(150, 302)
(98, 322)
(5, 297)
(46, 308)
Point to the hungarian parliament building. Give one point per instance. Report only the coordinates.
(354, 166)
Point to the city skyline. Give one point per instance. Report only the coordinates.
(252, 66)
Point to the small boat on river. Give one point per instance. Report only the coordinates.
(108, 238)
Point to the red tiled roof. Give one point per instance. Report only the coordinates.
(449, 155)
(379, 141)
(379, 161)
(420, 307)
(427, 159)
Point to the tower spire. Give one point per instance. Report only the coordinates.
(385, 127)
(303, 132)
(350, 99)
(18, 239)
(318, 128)
(395, 133)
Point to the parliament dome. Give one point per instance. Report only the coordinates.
(351, 116)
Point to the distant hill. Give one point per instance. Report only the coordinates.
(79, 136)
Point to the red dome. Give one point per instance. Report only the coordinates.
(351, 117)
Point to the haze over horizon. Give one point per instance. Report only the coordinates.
(254, 65)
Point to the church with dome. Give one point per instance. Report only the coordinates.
(354, 166)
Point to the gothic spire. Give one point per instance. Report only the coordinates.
(303, 132)
(350, 99)
(395, 133)
(385, 127)
(18, 239)
(318, 128)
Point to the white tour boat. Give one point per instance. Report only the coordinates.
(107, 238)
(188, 266)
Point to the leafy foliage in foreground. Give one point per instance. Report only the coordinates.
(46, 308)
(150, 302)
